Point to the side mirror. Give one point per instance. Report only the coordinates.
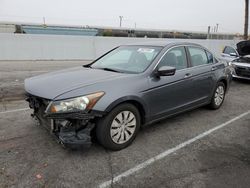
(233, 54)
(166, 71)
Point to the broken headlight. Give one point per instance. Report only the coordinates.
(74, 104)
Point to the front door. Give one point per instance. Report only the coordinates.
(169, 94)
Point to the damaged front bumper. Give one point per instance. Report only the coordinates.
(71, 129)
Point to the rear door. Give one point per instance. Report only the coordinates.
(202, 74)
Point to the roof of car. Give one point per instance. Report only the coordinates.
(164, 43)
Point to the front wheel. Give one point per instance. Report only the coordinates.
(118, 129)
(218, 96)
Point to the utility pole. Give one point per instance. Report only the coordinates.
(44, 22)
(120, 17)
(217, 27)
(208, 32)
(246, 19)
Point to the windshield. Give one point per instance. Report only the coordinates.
(128, 59)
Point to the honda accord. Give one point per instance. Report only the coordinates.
(130, 86)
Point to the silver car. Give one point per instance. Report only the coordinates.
(239, 59)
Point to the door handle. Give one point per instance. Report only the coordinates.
(187, 75)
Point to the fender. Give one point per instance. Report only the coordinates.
(129, 98)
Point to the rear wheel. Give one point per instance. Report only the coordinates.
(118, 129)
(218, 96)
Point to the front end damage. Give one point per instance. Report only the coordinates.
(71, 129)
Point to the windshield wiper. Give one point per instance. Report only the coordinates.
(87, 66)
(110, 69)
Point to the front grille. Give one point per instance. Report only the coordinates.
(39, 105)
(242, 71)
(37, 102)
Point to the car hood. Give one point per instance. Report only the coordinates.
(53, 84)
(243, 48)
(242, 60)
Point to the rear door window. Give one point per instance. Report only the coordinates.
(198, 56)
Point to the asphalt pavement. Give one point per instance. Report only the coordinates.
(200, 148)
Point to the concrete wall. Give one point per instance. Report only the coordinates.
(53, 47)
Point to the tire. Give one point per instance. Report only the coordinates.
(118, 122)
(218, 96)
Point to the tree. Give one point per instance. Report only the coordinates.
(246, 20)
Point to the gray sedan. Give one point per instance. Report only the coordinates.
(130, 86)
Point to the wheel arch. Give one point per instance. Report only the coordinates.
(224, 81)
(134, 100)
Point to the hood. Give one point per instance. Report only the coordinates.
(242, 61)
(243, 48)
(53, 84)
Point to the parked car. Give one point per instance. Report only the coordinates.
(130, 86)
(239, 59)
(229, 53)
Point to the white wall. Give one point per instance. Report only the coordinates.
(58, 47)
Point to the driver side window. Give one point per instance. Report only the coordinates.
(176, 57)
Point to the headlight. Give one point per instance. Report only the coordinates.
(74, 104)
